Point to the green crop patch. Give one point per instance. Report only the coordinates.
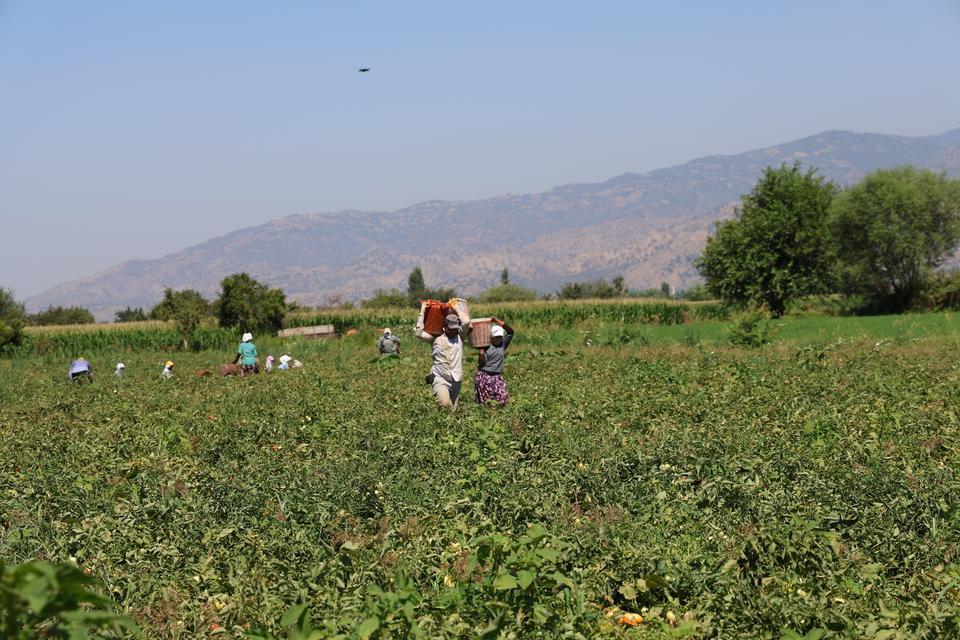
(805, 488)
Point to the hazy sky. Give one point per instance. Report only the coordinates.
(134, 129)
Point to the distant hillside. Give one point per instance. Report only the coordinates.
(648, 227)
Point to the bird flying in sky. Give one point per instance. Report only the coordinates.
(364, 69)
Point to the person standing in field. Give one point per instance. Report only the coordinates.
(80, 371)
(489, 383)
(247, 355)
(388, 344)
(447, 350)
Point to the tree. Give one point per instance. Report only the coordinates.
(61, 315)
(12, 316)
(417, 289)
(665, 289)
(186, 308)
(416, 286)
(619, 288)
(892, 230)
(249, 305)
(776, 248)
(504, 277)
(130, 315)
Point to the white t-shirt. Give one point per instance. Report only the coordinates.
(448, 358)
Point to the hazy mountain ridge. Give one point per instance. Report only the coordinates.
(647, 226)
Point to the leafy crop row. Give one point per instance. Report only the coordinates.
(77, 340)
(713, 493)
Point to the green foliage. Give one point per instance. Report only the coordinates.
(507, 293)
(384, 299)
(750, 329)
(10, 307)
(40, 600)
(733, 493)
(891, 230)
(249, 305)
(416, 286)
(504, 277)
(12, 318)
(941, 291)
(776, 247)
(663, 291)
(417, 289)
(61, 315)
(131, 315)
(187, 309)
(696, 293)
(592, 289)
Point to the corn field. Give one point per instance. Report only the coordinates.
(563, 314)
(77, 340)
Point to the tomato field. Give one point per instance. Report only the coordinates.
(807, 488)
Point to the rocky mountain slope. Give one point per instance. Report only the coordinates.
(649, 227)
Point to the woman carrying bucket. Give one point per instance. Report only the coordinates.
(489, 383)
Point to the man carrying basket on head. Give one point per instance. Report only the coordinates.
(446, 374)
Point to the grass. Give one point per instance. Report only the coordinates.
(808, 487)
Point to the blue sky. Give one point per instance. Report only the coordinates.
(134, 129)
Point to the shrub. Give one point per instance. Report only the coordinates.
(751, 329)
(507, 293)
(40, 600)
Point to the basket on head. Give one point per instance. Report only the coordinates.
(480, 333)
(434, 315)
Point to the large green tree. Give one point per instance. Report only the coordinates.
(249, 305)
(776, 248)
(892, 230)
(186, 308)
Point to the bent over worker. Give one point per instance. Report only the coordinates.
(447, 350)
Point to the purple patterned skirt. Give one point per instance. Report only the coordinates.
(490, 387)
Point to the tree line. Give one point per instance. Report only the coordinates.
(243, 302)
(798, 234)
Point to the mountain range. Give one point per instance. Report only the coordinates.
(648, 227)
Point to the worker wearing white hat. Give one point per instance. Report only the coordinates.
(247, 355)
(489, 384)
(388, 344)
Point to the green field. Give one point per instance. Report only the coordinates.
(808, 487)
